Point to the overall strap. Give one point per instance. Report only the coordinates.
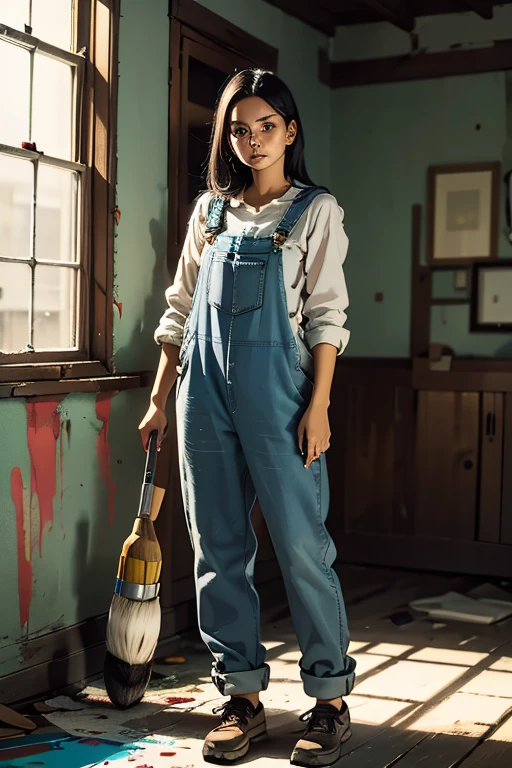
(299, 204)
(215, 218)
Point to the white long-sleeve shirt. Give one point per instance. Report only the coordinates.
(313, 254)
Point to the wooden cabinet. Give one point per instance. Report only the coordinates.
(447, 437)
(420, 466)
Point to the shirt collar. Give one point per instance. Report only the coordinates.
(238, 200)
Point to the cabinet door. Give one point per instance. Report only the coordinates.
(506, 501)
(491, 457)
(369, 459)
(447, 464)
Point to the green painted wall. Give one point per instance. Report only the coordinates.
(388, 135)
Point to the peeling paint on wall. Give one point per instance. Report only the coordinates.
(24, 545)
(35, 506)
(43, 431)
(103, 407)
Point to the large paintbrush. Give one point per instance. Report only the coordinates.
(134, 620)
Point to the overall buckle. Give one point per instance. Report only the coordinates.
(279, 236)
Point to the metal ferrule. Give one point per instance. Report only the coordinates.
(137, 592)
(146, 496)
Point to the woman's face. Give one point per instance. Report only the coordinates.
(258, 134)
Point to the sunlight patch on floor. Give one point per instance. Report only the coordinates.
(503, 665)
(447, 656)
(463, 714)
(366, 662)
(373, 711)
(410, 680)
(490, 683)
(390, 649)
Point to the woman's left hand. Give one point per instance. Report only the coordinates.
(315, 426)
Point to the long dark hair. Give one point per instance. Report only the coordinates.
(226, 174)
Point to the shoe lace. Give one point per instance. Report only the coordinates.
(320, 719)
(234, 710)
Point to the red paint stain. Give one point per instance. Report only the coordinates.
(177, 700)
(42, 434)
(24, 547)
(119, 305)
(103, 407)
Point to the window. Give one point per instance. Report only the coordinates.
(57, 175)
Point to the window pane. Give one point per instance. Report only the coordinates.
(14, 304)
(14, 13)
(51, 21)
(15, 93)
(52, 106)
(16, 185)
(57, 192)
(54, 307)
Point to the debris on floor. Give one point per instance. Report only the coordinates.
(453, 605)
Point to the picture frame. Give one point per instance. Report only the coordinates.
(463, 213)
(491, 296)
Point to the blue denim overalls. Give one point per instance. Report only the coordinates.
(245, 382)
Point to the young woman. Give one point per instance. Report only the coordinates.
(255, 321)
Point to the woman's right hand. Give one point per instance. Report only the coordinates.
(155, 418)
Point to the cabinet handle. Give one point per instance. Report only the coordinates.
(488, 424)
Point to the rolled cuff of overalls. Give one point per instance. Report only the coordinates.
(245, 681)
(330, 687)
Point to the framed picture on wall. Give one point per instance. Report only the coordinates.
(463, 213)
(491, 296)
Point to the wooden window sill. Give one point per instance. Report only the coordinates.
(64, 386)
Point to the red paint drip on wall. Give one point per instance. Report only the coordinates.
(43, 432)
(103, 407)
(24, 547)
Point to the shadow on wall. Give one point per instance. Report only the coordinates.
(141, 352)
(504, 351)
(64, 666)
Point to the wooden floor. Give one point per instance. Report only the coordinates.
(426, 695)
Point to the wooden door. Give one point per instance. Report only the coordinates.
(199, 69)
(447, 432)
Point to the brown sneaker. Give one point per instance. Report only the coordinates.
(240, 724)
(327, 730)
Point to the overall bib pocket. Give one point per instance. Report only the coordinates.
(235, 285)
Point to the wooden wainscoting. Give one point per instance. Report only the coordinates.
(419, 466)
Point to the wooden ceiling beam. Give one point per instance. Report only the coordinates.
(423, 66)
(394, 11)
(482, 7)
(311, 13)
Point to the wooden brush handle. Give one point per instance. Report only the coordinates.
(161, 477)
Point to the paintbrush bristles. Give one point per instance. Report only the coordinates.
(133, 628)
